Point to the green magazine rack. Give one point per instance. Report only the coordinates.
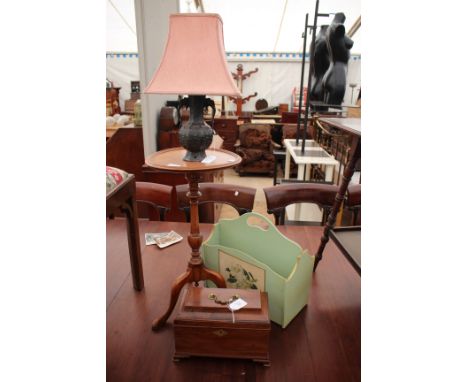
(252, 257)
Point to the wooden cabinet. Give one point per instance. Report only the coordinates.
(168, 139)
(168, 128)
(228, 130)
(124, 150)
(112, 101)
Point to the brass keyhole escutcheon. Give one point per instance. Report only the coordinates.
(220, 333)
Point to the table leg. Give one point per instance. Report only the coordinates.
(329, 173)
(287, 165)
(208, 274)
(196, 271)
(300, 176)
(133, 237)
(307, 171)
(275, 171)
(175, 292)
(347, 175)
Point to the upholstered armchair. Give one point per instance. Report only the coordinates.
(255, 148)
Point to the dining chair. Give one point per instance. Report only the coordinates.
(156, 196)
(280, 196)
(239, 197)
(353, 202)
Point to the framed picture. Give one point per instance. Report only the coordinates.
(135, 86)
(239, 274)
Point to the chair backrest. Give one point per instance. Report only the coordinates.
(157, 196)
(353, 202)
(239, 197)
(353, 196)
(280, 196)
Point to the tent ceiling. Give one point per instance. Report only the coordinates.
(248, 25)
(121, 26)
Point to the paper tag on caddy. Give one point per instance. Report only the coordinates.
(237, 304)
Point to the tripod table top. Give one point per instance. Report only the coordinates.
(172, 160)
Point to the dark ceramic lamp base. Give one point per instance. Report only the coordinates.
(196, 136)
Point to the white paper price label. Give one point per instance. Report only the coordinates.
(238, 304)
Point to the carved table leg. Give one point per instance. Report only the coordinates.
(175, 292)
(347, 175)
(196, 271)
(208, 274)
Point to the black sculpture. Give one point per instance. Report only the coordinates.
(321, 62)
(339, 45)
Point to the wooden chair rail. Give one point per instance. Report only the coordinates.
(280, 196)
(158, 196)
(353, 197)
(353, 202)
(240, 197)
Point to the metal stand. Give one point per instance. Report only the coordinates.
(311, 70)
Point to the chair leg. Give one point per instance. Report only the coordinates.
(355, 215)
(282, 216)
(325, 213)
(277, 218)
(275, 171)
(187, 214)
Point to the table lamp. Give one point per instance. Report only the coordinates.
(194, 64)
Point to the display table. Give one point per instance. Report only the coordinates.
(348, 240)
(323, 343)
(263, 121)
(313, 154)
(266, 116)
(172, 160)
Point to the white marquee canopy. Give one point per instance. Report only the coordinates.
(271, 29)
(249, 26)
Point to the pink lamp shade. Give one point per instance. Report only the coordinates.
(194, 59)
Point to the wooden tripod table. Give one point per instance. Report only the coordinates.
(171, 160)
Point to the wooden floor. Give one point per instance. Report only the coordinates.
(321, 344)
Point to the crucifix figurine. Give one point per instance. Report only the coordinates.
(240, 77)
